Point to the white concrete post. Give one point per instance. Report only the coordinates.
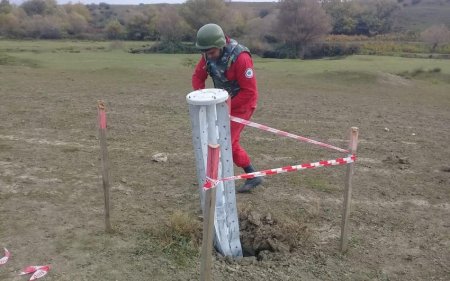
(211, 125)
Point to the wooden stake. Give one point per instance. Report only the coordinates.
(104, 161)
(348, 190)
(209, 210)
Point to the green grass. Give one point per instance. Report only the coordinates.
(94, 57)
(353, 63)
(433, 75)
(9, 60)
(55, 46)
(315, 182)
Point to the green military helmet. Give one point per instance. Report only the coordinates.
(210, 36)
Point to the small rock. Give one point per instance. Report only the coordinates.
(278, 246)
(254, 218)
(160, 157)
(269, 219)
(386, 129)
(123, 180)
(403, 160)
(264, 256)
(231, 269)
(413, 134)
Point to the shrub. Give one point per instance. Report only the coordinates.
(331, 50)
(166, 47)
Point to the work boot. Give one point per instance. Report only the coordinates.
(249, 183)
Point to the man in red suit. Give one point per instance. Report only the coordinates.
(230, 66)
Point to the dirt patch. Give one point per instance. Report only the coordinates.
(398, 161)
(262, 234)
(446, 169)
(392, 79)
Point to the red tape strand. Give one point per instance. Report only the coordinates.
(209, 183)
(284, 134)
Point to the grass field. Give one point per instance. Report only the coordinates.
(50, 190)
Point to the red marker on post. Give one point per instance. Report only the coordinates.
(105, 161)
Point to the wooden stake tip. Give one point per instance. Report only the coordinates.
(101, 105)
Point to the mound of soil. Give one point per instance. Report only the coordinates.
(262, 233)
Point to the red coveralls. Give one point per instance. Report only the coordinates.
(242, 105)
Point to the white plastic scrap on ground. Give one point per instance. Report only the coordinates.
(37, 270)
(5, 258)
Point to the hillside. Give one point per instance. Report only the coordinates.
(422, 15)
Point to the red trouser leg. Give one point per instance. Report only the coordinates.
(240, 156)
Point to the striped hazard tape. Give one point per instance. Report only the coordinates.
(5, 259)
(284, 134)
(37, 271)
(210, 183)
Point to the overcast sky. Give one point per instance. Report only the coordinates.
(131, 2)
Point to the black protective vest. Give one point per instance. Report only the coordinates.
(218, 69)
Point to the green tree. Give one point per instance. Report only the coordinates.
(44, 27)
(114, 29)
(5, 7)
(343, 15)
(200, 12)
(300, 23)
(77, 24)
(139, 26)
(435, 36)
(377, 17)
(170, 25)
(79, 9)
(9, 25)
(76, 18)
(39, 7)
(234, 23)
(361, 17)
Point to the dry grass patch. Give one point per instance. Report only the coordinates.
(180, 238)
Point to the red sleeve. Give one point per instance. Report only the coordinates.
(245, 75)
(199, 76)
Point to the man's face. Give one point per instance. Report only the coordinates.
(212, 54)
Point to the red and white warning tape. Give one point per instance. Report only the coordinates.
(285, 134)
(37, 270)
(210, 183)
(5, 258)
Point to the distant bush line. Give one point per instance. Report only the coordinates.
(287, 29)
